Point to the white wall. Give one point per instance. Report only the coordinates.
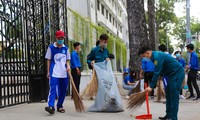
(80, 6)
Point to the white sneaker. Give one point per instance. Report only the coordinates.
(127, 97)
(182, 97)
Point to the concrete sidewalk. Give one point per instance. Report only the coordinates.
(189, 110)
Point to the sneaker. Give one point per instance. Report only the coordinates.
(182, 97)
(127, 97)
(191, 97)
(50, 110)
(164, 118)
(197, 98)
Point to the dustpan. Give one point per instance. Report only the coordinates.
(148, 115)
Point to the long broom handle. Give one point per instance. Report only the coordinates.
(147, 100)
(72, 81)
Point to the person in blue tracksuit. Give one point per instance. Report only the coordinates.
(183, 63)
(192, 75)
(148, 69)
(166, 65)
(129, 82)
(75, 63)
(58, 65)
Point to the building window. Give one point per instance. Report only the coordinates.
(98, 5)
(121, 29)
(106, 14)
(110, 17)
(120, 13)
(114, 21)
(102, 9)
(116, 24)
(113, 3)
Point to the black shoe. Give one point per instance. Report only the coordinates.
(164, 118)
(190, 97)
(152, 97)
(50, 110)
(197, 98)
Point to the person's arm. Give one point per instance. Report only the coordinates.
(76, 62)
(184, 63)
(48, 57)
(48, 68)
(141, 72)
(91, 57)
(143, 67)
(130, 83)
(158, 67)
(68, 59)
(193, 62)
(107, 56)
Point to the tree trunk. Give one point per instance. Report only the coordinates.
(157, 41)
(137, 31)
(151, 23)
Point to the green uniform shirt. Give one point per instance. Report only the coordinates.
(165, 65)
(98, 54)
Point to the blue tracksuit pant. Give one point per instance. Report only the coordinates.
(57, 84)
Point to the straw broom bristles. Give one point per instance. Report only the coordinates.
(77, 99)
(136, 89)
(92, 87)
(160, 91)
(136, 100)
(121, 90)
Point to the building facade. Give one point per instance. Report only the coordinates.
(111, 15)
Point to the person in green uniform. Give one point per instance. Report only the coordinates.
(100, 52)
(166, 65)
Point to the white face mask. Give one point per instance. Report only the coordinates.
(104, 45)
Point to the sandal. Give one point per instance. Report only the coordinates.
(50, 110)
(61, 110)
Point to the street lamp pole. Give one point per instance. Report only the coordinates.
(188, 32)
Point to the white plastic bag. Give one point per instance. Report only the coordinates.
(108, 98)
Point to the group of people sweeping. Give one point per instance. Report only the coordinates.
(172, 72)
(61, 65)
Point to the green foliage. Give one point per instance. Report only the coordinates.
(110, 45)
(165, 18)
(124, 55)
(180, 29)
(195, 26)
(165, 13)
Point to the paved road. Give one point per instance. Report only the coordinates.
(189, 110)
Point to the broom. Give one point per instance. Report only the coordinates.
(160, 91)
(136, 100)
(77, 99)
(121, 90)
(92, 87)
(136, 89)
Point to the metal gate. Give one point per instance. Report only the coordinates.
(26, 29)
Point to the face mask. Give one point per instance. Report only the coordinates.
(104, 45)
(178, 55)
(60, 42)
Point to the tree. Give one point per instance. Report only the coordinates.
(195, 27)
(165, 17)
(151, 24)
(179, 32)
(137, 30)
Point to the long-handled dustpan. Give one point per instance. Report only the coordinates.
(148, 115)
